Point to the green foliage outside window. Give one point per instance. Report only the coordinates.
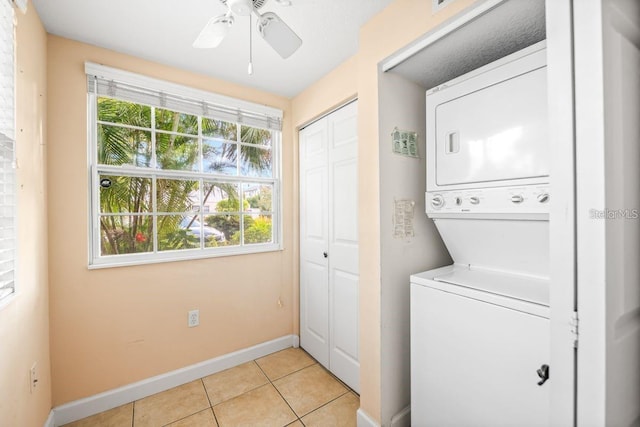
(126, 135)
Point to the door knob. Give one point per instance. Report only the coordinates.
(543, 373)
(324, 254)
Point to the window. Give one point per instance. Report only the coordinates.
(178, 173)
(7, 154)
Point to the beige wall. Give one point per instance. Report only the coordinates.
(115, 326)
(400, 23)
(24, 323)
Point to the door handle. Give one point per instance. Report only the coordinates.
(452, 142)
(324, 254)
(543, 373)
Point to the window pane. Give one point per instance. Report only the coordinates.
(127, 113)
(177, 152)
(177, 195)
(176, 232)
(125, 234)
(257, 229)
(123, 146)
(222, 197)
(219, 129)
(219, 157)
(255, 136)
(227, 225)
(258, 196)
(173, 121)
(124, 194)
(255, 161)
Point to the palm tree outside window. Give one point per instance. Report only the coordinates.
(171, 185)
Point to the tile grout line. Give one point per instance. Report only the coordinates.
(325, 404)
(292, 372)
(197, 412)
(331, 401)
(184, 418)
(206, 392)
(215, 419)
(278, 391)
(244, 392)
(346, 387)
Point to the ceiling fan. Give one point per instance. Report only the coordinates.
(272, 29)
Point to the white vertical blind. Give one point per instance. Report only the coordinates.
(7, 149)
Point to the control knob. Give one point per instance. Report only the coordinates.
(474, 200)
(544, 197)
(437, 201)
(517, 198)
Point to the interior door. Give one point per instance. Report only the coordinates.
(343, 245)
(607, 84)
(329, 277)
(314, 273)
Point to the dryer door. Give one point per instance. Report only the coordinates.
(495, 133)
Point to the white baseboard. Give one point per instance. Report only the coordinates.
(50, 420)
(402, 418)
(364, 420)
(92, 405)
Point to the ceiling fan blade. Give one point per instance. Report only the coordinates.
(278, 34)
(214, 32)
(241, 7)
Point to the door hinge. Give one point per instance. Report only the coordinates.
(575, 328)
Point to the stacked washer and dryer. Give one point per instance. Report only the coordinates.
(480, 327)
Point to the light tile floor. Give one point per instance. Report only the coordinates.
(287, 388)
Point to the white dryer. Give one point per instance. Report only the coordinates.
(480, 327)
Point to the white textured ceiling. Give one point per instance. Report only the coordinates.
(509, 26)
(163, 30)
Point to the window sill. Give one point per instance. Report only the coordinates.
(173, 256)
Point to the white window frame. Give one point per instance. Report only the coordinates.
(8, 265)
(253, 112)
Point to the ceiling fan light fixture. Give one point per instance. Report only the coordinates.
(214, 32)
(241, 7)
(278, 34)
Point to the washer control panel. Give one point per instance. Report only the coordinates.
(525, 199)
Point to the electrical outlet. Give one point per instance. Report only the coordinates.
(33, 377)
(194, 318)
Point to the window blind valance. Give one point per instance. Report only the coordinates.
(111, 82)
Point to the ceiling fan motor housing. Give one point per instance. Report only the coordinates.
(243, 7)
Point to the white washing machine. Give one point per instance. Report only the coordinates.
(478, 354)
(480, 327)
